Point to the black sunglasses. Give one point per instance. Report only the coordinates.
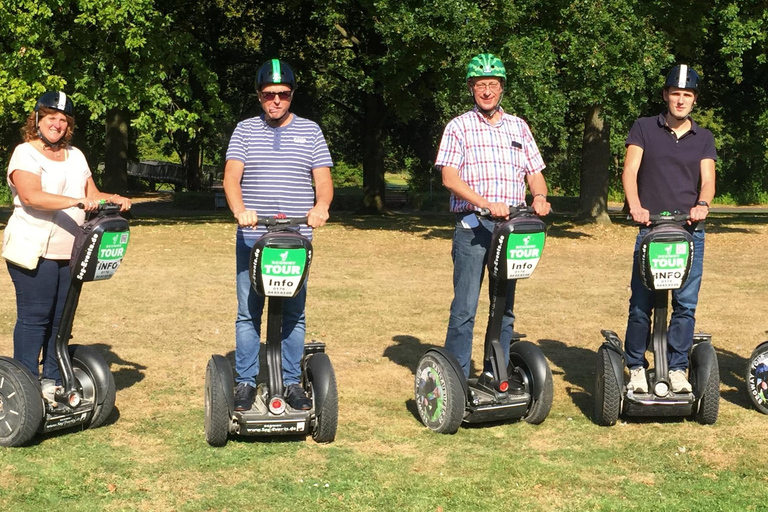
(284, 95)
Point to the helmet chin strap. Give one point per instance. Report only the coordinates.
(52, 145)
(488, 113)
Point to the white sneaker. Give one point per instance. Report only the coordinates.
(637, 380)
(678, 381)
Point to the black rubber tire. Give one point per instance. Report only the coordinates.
(709, 405)
(607, 391)
(216, 408)
(541, 403)
(759, 356)
(97, 381)
(328, 416)
(448, 403)
(21, 404)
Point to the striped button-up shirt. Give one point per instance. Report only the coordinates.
(492, 159)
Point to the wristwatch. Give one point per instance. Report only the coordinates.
(702, 203)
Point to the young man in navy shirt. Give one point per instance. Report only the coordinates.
(669, 166)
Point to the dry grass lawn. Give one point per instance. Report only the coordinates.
(379, 295)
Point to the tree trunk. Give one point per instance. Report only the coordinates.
(115, 178)
(192, 166)
(373, 154)
(595, 161)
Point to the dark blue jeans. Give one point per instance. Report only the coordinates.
(250, 306)
(40, 296)
(682, 322)
(470, 252)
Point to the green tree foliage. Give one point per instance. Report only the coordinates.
(383, 77)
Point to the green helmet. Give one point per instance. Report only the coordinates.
(486, 65)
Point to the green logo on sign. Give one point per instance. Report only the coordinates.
(668, 262)
(523, 253)
(113, 246)
(283, 262)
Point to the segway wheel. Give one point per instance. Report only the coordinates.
(439, 394)
(97, 381)
(216, 408)
(757, 377)
(607, 391)
(21, 405)
(328, 415)
(527, 360)
(709, 405)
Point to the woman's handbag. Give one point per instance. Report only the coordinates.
(22, 251)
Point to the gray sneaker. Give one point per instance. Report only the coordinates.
(49, 388)
(637, 380)
(678, 381)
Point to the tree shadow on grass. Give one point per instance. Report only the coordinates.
(733, 370)
(129, 372)
(578, 371)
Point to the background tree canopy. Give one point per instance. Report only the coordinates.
(384, 77)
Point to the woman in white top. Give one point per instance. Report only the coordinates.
(48, 179)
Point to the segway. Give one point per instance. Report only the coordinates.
(86, 396)
(665, 258)
(757, 377)
(518, 388)
(279, 266)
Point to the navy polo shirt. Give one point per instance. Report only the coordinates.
(668, 178)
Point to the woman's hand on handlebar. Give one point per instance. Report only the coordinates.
(86, 203)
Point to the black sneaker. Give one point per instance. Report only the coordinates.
(244, 395)
(296, 398)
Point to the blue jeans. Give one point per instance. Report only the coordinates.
(682, 321)
(250, 306)
(470, 253)
(40, 296)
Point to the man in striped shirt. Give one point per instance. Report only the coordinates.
(486, 157)
(272, 160)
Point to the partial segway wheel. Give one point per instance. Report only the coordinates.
(97, 381)
(216, 403)
(439, 394)
(328, 414)
(709, 405)
(21, 404)
(757, 377)
(607, 391)
(528, 362)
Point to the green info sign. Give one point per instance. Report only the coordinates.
(281, 271)
(111, 252)
(523, 253)
(668, 263)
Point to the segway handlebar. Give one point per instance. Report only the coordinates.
(280, 221)
(513, 211)
(666, 218)
(104, 206)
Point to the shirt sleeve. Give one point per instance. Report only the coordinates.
(321, 157)
(22, 160)
(451, 151)
(535, 160)
(635, 137)
(237, 144)
(710, 151)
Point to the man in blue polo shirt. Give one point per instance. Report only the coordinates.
(669, 166)
(272, 160)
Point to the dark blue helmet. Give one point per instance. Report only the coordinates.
(275, 71)
(684, 77)
(56, 100)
